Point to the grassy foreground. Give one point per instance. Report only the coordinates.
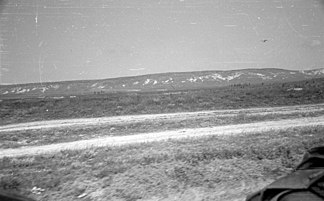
(213, 168)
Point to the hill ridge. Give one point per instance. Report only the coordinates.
(161, 82)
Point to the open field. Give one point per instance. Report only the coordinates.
(226, 161)
(116, 104)
(222, 167)
(207, 148)
(68, 130)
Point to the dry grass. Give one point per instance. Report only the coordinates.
(201, 168)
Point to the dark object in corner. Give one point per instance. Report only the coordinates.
(305, 183)
(6, 196)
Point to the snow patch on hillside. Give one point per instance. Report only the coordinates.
(167, 81)
(58, 97)
(147, 81)
(192, 79)
(43, 89)
(313, 72)
(18, 90)
(274, 74)
(21, 91)
(231, 77)
(55, 86)
(216, 76)
(295, 89)
(262, 76)
(14, 90)
(318, 72)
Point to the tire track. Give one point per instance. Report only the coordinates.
(51, 124)
(165, 135)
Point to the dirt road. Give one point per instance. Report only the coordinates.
(166, 135)
(74, 123)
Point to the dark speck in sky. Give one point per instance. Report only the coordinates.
(54, 40)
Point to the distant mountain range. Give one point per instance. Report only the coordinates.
(158, 82)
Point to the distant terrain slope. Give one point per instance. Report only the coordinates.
(212, 135)
(159, 82)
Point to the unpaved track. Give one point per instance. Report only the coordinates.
(165, 135)
(51, 124)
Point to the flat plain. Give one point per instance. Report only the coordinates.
(183, 152)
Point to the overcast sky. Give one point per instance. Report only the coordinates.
(54, 40)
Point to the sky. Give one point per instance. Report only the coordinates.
(56, 40)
